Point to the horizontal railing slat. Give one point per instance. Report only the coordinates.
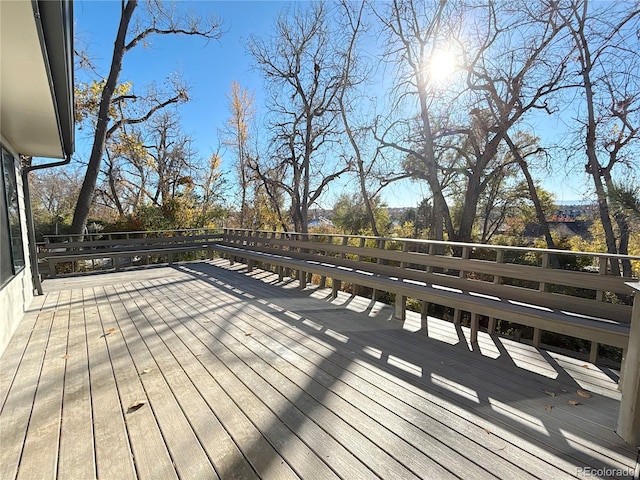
(586, 280)
(570, 302)
(592, 329)
(425, 270)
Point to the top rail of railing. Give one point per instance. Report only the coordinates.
(601, 262)
(485, 246)
(131, 234)
(407, 243)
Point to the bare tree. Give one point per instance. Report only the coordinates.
(53, 192)
(605, 44)
(514, 67)
(127, 168)
(414, 30)
(273, 179)
(506, 68)
(213, 186)
(114, 181)
(355, 73)
(171, 159)
(159, 20)
(304, 70)
(523, 148)
(242, 114)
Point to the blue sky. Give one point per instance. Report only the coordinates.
(209, 69)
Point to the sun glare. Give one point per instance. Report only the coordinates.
(442, 65)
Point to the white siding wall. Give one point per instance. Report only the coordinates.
(17, 295)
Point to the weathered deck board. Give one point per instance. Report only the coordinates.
(365, 389)
(325, 389)
(14, 353)
(263, 413)
(262, 457)
(277, 384)
(43, 434)
(111, 443)
(319, 387)
(525, 357)
(342, 464)
(263, 318)
(77, 459)
(206, 426)
(187, 453)
(535, 392)
(150, 452)
(229, 408)
(247, 377)
(598, 404)
(16, 411)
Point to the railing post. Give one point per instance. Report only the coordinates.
(432, 251)
(381, 245)
(424, 307)
(323, 278)
(301, 274)
(302, 279)
(629, 416)
(457, 314)
(475, 325)
(361, 244)
(497, 280)
(542, 286)
(401, 300)
(424, 316)
(335, 287)
(345, 242)
(335, 283)
(602, 270)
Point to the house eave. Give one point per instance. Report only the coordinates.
(36, 78)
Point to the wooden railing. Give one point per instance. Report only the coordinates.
(582, 299)
(490, 282)
(96, 236)
(156, 246)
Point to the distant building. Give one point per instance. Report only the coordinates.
(320, 222)
(572, 213)
(563, 229)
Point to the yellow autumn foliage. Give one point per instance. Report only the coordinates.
(597, 243)
(88, 95)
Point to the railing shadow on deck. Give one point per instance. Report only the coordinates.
(396, 357)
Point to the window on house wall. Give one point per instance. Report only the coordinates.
(11, 246)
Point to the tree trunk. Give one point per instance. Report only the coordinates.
(441, 214)
(114, 191)
(81, 213)
(533, 193)
(593, 166)
(624, 229)
(469, 209)
(346, 79)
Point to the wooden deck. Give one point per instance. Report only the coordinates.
(203, 371)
